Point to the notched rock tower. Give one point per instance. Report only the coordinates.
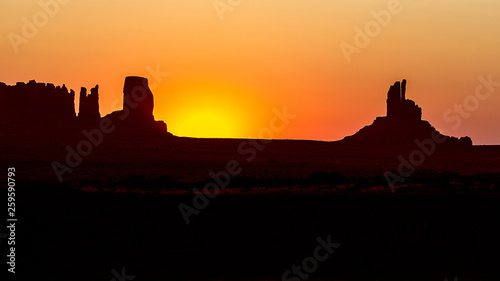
(89, 106)
(398, 106)
(402, 125)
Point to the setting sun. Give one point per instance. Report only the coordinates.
(206, 120)
(218, 112)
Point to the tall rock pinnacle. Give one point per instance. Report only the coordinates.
(398, 107)
(89, 106)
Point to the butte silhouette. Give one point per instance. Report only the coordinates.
(402, 125)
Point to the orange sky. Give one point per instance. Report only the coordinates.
(226, 76)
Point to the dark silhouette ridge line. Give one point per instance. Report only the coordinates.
(33, 106)
(40, 106)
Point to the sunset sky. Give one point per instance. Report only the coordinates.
(230, 62)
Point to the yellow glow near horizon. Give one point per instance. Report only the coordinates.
(210, 111)
(207, 123)
(205, 115)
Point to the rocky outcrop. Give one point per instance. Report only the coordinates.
(398, 107)
(89, 106)
(32, 105)
(136, 117)
(41, 107)
(139, 99)
(402, 126)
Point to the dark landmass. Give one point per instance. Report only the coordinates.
(52, 144)
(100, 193)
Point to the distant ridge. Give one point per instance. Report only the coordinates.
(402, 125)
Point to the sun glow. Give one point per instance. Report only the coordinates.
(218, 113)
(206, 123)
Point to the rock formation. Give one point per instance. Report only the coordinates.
(398, 106)
(136, 91)
(89, 106)
(35, 104)
(41, 107)
(402, 125)
(137, 114)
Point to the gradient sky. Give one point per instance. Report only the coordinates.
(226, 76)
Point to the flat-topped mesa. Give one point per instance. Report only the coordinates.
(89, 106)
(398, 107)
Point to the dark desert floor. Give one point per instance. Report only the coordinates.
(119, 208)
(191, 160)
